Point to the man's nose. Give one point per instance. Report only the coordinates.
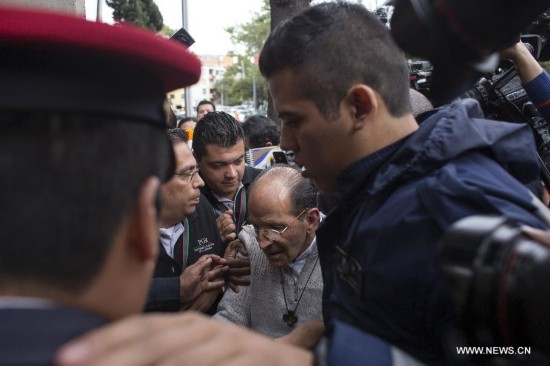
(263, 242)
(230, 171)
(197, 181)
(287, 139)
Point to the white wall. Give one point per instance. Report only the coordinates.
(64, 6)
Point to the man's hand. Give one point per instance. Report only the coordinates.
(237, 259)
(204, 301)
(226, 226)
(185, 339)
(526, 64)
(203, 275)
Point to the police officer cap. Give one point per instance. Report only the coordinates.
(58, 62)
(61, 63)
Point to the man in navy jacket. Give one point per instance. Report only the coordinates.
(397, 187)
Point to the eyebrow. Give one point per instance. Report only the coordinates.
(226, 161)
(187, 168)
(287, 114)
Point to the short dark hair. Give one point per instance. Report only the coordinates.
(217, 128)
(303, 193)
(202, 102)
(177, 135)
(186, 119)
(259, 130)
(332, 46)
(67, 182)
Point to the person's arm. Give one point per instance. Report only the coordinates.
(525, 63)
(186, 339)
(536, 81)
(234, 307)
(306, 335)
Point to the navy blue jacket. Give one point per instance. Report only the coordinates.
(378, 246)
(32, 336)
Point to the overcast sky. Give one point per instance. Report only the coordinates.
(208, 19)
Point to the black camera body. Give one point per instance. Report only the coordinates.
(461, 37)
(499, 282)
(502, 97)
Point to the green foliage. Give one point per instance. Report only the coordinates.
(142, 13)
(251, 36)
(167, 31)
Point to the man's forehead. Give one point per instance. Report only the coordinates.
(184, 156)
(216, 152)
(269, 195)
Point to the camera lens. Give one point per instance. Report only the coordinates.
(498, 278)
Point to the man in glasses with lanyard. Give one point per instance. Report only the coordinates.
(284, 296)
(188, 269)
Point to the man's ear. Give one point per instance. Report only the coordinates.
(312, 218)
(363, 103)
(144, 221)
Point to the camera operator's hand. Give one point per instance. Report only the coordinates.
(526, 64)
(203, 275)
(538, 235)
(237, 259)
(226, 227)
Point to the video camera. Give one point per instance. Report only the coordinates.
(500, 92)
(499, 282)
(461, 37)
(502, 97)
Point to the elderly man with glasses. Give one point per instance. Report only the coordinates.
(189, 266)
(284, 297)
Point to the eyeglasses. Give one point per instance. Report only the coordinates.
(272, 234)
(189, 175)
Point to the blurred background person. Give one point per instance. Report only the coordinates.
(187, 123)
(205, 106)
(260, 131)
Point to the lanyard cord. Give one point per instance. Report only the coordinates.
(185, 245)
(304, 290)
(239, 220)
